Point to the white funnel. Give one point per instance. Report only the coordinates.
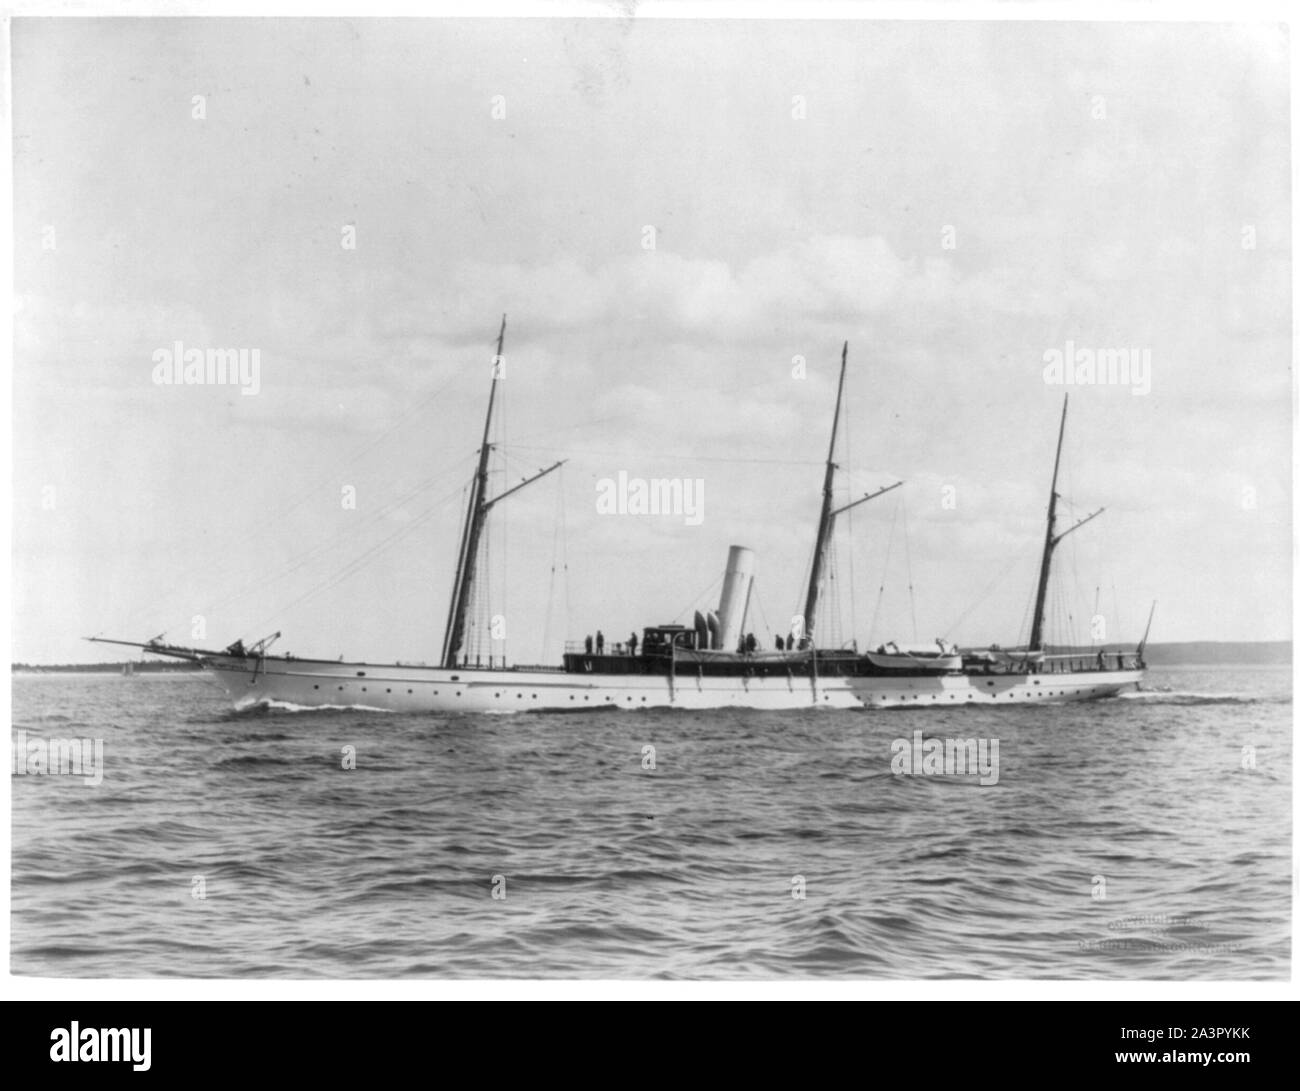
(735, 597)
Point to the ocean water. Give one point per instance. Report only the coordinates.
(1144, 837)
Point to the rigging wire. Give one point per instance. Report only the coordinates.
(1026, 622)
(550, 587)
(564, 541)
(798, 610)
(884, 576)
(229, 560)
(758, 605)
(483, 597)
(979, 601)
(503, 437)
(833, 606)
(298, 561)
(671, 456)
(697, 599)
(848, 475)
(351, 568)
(907, 547)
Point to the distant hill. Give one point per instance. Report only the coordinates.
(1206, 652)
(137, 667)
(1257, 652)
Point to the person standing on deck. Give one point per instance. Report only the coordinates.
(588, 643)
(600, 642)
(631, 644)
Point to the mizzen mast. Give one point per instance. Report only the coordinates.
(1051, 541)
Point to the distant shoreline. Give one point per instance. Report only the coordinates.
(1187, 653)
(136, 666)
(1215, 653)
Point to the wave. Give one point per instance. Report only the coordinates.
(1179, 697)
(266, 706)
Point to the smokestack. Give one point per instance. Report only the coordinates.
(735, 597)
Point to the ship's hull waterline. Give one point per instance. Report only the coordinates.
(401, 688)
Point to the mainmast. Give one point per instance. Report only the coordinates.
(826, 524)
(475, 516)
(1051, 541)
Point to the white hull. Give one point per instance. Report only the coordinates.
(393, 688)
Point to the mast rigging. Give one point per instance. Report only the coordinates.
(826, 524)
(475, 515)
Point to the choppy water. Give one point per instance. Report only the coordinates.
(613, 870)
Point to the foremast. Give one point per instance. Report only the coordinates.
(475, 516)
(826, 523)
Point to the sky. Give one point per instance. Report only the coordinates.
(685, 221)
